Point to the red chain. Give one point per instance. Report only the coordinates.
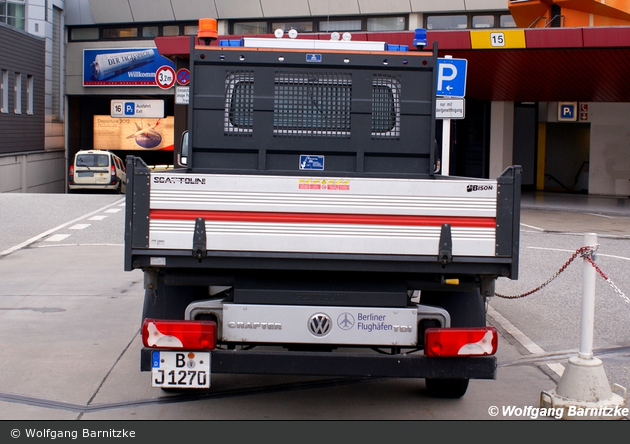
(590, 259)
(580, 251)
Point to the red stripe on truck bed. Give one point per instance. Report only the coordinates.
(323, 218)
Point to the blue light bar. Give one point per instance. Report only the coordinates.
(420, 38)
(389, 47)
(238, 42)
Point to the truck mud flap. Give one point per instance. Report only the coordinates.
(345, 364)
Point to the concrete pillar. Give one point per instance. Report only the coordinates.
(501, 137)
(24, 172)
(415, 21)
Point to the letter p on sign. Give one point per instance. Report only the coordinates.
(446, 73)
(567, 111)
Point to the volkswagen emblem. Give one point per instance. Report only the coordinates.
(320, 324)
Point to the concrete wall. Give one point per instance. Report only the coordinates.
(609, 172)
(20, 129)
(89, 12)
(501, 137)
(39, 172)
(55, 126)
(609, 145)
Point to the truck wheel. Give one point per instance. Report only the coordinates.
(467, 309)
(446, 388)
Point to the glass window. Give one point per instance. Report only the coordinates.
(312, 104)
(84, 34)
(506, 21)
(92, 160)
(29, 94)
(4, 91)
(240, 103)
(170, 31)
(191, 30)
(18, 93)
(250, 28)
(120, 33)
(150, 31)
(385, 107)
(483, 21)
(386, 24)
(57, 60)
(447, 22)
(340, 25)
(298, 26)
(316, 104)
(12, 13)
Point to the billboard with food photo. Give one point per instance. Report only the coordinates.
(112, 133)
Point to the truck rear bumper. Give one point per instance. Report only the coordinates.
(414, 365)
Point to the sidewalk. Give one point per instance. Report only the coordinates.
(603, 205)
(576, 213)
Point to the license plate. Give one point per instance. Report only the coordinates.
(85, 173)
(180, 369)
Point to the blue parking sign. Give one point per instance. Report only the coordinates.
(130, 108)
(567, 111)
(451, 77)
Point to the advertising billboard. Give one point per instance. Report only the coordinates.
(113, 133)
(122, 66)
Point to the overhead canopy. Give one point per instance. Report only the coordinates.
(557, 64)
(533, 65)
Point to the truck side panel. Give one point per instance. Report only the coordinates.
(292, 214)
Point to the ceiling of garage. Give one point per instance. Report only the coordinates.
(548, 75)
(559, 64)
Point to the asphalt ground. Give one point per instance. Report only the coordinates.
(96, 375)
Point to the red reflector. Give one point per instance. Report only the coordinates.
(193, 335)
(477, 341)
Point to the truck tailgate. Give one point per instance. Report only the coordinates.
(322, 215)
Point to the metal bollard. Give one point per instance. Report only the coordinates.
(588, 302)
(584, 386)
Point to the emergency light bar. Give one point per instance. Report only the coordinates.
(340, 45)
(208, 32)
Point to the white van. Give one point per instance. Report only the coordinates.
(97, 170)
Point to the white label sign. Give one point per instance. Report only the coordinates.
(497, 39)
(450, 108)
(181, 95)
(137, 108)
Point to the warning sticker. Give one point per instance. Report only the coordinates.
(325, 184)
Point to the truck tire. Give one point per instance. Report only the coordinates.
(467, 309)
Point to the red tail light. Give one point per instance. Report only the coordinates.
(113, 167)
(71, 173)
(190, 335)
(478, 341)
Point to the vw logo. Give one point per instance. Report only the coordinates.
(320, 324)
